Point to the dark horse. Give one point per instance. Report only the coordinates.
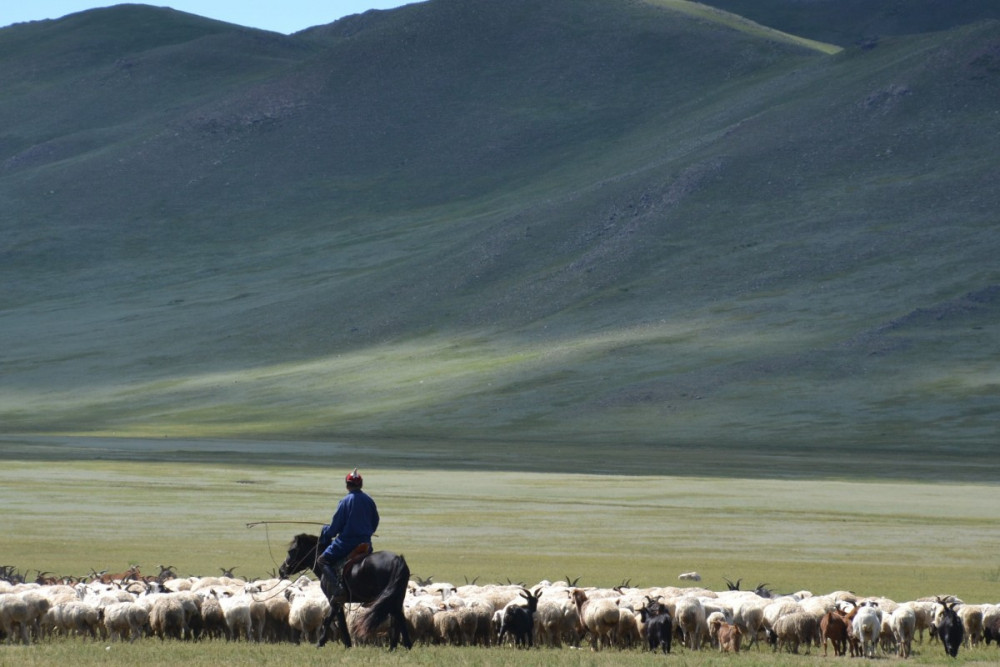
(378, 582)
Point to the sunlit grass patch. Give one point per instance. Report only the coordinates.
(901, 540)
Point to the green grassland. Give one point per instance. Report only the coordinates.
(80, 511)
(214, 653)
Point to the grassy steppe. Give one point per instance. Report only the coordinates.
(214, 653)
(84, 505)
(903, 540)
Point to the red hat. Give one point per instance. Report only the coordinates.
(354, 479)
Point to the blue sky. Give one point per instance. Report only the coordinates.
(285, 16)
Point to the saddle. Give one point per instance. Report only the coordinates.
(359, 553)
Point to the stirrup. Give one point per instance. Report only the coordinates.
(339, 596)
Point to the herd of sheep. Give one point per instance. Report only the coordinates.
(547, 614)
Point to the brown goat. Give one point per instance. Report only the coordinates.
(730, 638)
(833, 627)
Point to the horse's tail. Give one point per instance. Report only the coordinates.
(389, 600)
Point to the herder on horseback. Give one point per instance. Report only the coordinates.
(353, 524)
(377, 580)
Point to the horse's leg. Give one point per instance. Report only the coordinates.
(393, 634)
(342, 622)
(399, 621)
(324, 630)
(336, 615)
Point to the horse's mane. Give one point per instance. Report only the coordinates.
(304, 541)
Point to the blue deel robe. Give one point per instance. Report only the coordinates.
(354, 522)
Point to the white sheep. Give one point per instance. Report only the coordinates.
(599, 616)
(499, 595)
(38, 605)
(15, 613)
(545, 624)
(419, 617)
(192, 612)
(991, 619)
(74, 618)
(628, 634)
(100, 595)
(571, 628)
(778, 607)
(690, 618)
(447, 628)
(748, 613)
(689, 576)
(903, 622)
(178, 584)
(59, 593)
(123, 619)
(476, 619)
(549, 620)
(236, 609)
(213, 619)
(307, 611)
(972, 622)
(276, 627)
(817, 605)
(795, 629)
(924, 610)
(167, 615)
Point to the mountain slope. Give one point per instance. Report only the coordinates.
(847, 22)
(573, 223)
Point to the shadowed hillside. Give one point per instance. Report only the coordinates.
(566, 223)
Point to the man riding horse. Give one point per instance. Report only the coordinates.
(349, 571)
(353, 524)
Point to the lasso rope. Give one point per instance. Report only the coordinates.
(267, 537)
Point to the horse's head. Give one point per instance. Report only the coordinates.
(302, 554)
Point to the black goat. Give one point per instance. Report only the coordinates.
(659, 625)
(519, 621)
(949, 628)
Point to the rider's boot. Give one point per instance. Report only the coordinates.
(331, 581)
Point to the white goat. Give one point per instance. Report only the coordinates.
(866, 628)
